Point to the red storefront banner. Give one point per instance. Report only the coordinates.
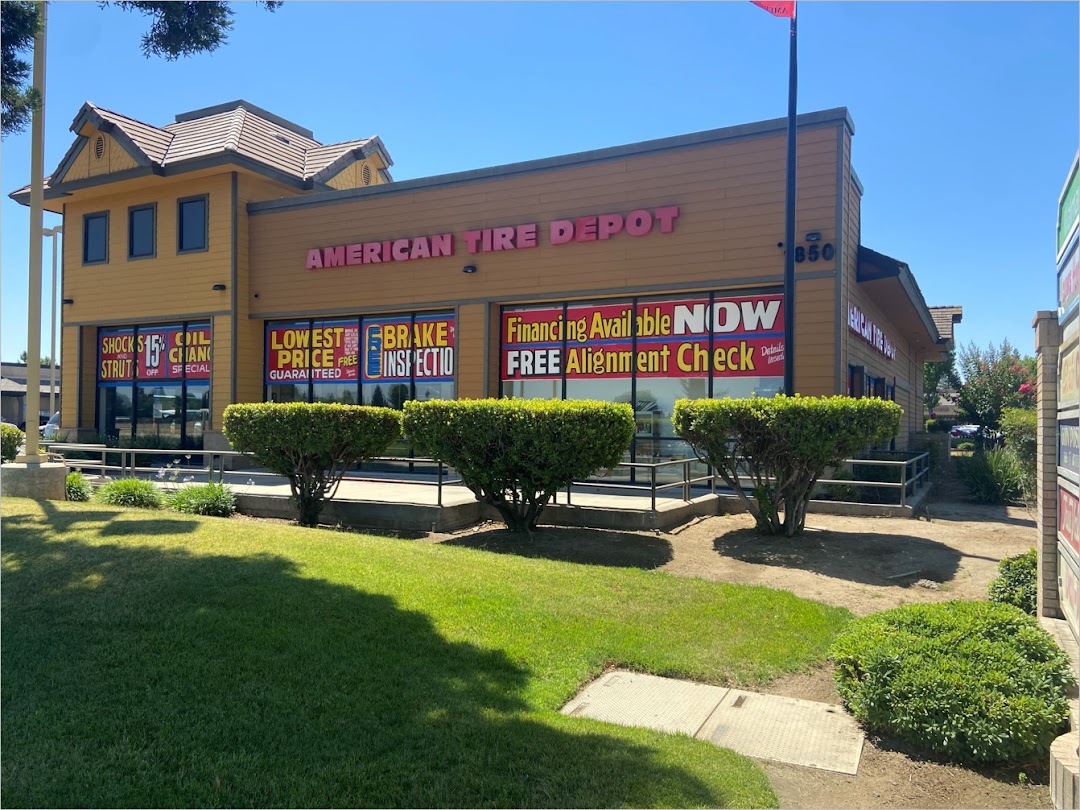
(157, 353)
(1068, 511)
(399, 349)
(328, 352)
(672, 340)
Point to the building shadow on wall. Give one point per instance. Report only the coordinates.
(154, 676)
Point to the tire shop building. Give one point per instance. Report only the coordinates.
(228, 256)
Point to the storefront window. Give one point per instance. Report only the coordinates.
(649, 351)
(143, 374)
(158, 416)
(383, 360)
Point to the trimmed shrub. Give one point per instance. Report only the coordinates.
(970, 681)
(130, 492)
(993, 476)
(1015, 583)
(1019, 427)
(215, 500)
(11, 439)
(772, 451)
(78, 488)
(311, 444)
(514, 454)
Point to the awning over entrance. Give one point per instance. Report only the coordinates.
(892, 287)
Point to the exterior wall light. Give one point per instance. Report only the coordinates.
(469, 268)
(219, 287)
(813, 236)
(69, 300)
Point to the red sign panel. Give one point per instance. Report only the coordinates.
(1068, 509)
(157, 353)
(671, 339)
(327, 352)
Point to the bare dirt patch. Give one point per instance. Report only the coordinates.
(863, 564)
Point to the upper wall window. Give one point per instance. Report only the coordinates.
(141, 231)
(192, 224)
(96, 238)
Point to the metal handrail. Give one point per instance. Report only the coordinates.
(214, 467)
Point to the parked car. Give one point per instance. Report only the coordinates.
(49, 429)
(965, 431)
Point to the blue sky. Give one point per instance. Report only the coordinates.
(966, 114)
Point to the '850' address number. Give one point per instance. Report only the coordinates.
(813, 252)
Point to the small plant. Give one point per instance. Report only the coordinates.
(1020, 428)
(993, 476)
(130, 492)
(78, 488)
(965, 447)
(1015, 583)
(11, 439)
(972, 681)
(215, 500)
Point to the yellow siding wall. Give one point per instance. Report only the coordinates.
(249, 338)
(731, 197)
(352, 176)
(906, 368)
(471, 327)
(114, 158)
(165, 288)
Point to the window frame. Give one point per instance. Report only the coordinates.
(152, 208)
(205, 199)
(86, 220)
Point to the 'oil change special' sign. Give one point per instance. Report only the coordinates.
(166, 353)
(659, 339)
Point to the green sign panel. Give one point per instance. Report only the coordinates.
(1069, 207)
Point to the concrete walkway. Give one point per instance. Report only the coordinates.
(770, 727)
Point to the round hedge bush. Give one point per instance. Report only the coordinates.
(215, 500)
(971, 681)
(130, 492)
(11, 439)
(78, 488)
(1016, 582)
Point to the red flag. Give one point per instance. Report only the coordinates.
(778, 8)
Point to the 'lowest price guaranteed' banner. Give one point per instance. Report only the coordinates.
(394, 350)
(672, 340)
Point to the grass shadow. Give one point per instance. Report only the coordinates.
(867, 558)
(154, 675)
(584, 546)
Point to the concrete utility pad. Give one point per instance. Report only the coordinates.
(799, 732)
(634, 699)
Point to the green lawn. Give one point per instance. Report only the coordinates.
(160, 659)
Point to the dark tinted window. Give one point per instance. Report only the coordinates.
(192, 224)
(141, 232)
(95, 238)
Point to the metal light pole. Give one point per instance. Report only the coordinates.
(53, 232)
(32, 453)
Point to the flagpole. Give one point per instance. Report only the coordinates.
(789, 221)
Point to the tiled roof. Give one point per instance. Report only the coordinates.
(237, 127)
(152, 141)
(945, 318)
